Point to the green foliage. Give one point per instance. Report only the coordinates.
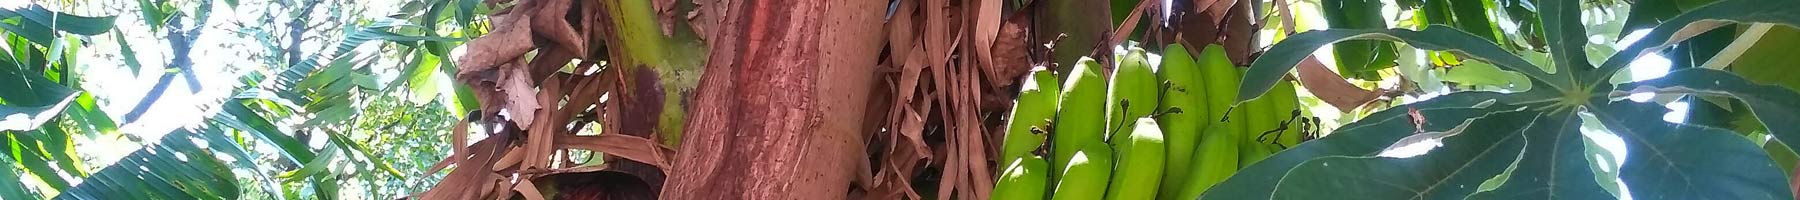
(184, 165)
(1529, 144)
(376, 134)
(1360, 59)
(42, 92)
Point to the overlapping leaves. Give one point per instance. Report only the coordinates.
(1537, 151)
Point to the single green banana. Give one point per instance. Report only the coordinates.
(1024, 178)
(1240, 113)
(1034, 108)
(1131, 92)
(1221, 80)
(1139, 169)
(1251, 151)
(1181, 127)
(1257, 115)
(1080, 117)
(1086, 176)
(1214, 161)
(1287, 102)
(1257, 120)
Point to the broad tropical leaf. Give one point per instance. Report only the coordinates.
(37, 24)
(1693, 23)
(1771, 104)
(1554, 165)
(12, 189)
(1364, 138)
(30, 100)
(241, 117)
(1568, 39)
(1477, 151)
(184, 165)
(1675, 161)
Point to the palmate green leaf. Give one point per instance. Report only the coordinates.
(1767, 62)
(1479, 73)
(1363, 138)
(1693, 23)
(1675, 161)
(1554, 165)
(1479, 150)
(183, 165)
(1647, 13)
(1472, 16)
(1567, 39)
(1771, 104)
(1282, 57)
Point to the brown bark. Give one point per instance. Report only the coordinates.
(778, 109)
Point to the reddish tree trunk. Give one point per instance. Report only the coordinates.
(778, 110)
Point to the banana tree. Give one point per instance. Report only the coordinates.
(1531, 144)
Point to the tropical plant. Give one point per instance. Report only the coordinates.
(42, 76)
(1530, 144)
(225, 157)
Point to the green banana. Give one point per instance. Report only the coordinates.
(1023, 179)
(1080, 118)
(1138, 170)
(1181, 129)
(1251, 151)
(1257, 114)
(1131, 92)
(1214, 161)
(1086, 176)
(1240, 113)
(1221, 80)
(1034, 108)
(1287, 101)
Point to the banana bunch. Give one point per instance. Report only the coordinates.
(1142, 132)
